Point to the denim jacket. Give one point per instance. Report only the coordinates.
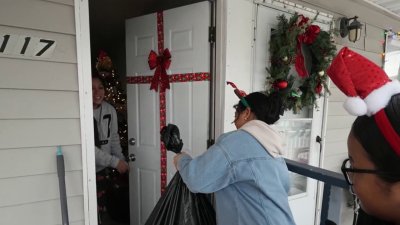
(250, 184)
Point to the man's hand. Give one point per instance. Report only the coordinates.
(122, 166)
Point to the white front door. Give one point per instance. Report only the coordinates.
(300, 129)
(187, 103)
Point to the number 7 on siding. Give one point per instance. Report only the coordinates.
(45, 46)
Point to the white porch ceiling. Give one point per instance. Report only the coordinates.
(390, 6)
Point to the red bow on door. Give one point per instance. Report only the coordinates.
(161, 63)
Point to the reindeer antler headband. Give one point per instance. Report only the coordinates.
(239, 93)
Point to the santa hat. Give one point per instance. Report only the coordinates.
(366, 85)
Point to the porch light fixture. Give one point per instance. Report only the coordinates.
(352, 29)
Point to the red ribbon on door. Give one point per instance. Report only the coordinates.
(161, 62)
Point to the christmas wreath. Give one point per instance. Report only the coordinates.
(297, 42)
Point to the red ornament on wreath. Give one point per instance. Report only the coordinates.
(280, 84)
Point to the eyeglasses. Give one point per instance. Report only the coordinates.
(348, 171)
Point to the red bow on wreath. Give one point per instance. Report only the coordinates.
(161, 63)
(308, 37)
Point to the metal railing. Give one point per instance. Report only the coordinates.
(329, 178)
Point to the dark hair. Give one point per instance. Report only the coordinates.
(100, 78)
(380, 152)
(265, 108)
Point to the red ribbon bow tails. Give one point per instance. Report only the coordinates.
(308, 37)
(161, 63)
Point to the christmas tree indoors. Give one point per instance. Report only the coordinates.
(114, 95)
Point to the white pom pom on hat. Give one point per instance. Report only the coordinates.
(366, 85)
(355, 106)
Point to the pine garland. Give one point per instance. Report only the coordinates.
(298, 92)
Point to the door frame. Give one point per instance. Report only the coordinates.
(85, 96)
(86, 110)
(220, 62)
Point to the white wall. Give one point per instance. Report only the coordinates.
(239, 54)
(39, 110)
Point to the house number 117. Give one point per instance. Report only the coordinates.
(19, 45)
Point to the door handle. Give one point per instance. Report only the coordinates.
(318, 139)
(132, 141)
(131, 157)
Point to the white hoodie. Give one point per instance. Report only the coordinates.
(268, 137)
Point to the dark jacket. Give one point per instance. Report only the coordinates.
(365, 219)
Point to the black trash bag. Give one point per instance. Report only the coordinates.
(171, 137)
(179, 206)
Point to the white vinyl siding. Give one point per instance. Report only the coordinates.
(44, 212)
(16, 159)
(40, 15)
(39, 102)
(17, 73)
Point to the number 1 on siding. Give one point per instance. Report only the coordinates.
(23, 50)
(4, 43)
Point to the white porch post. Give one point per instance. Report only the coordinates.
(86, 110)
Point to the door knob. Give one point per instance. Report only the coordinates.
(131, 157)
(132, 141)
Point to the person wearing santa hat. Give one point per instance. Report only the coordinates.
(373, 167)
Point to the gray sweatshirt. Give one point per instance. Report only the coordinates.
(107, 123)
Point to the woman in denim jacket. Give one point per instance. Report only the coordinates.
(244, 168)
